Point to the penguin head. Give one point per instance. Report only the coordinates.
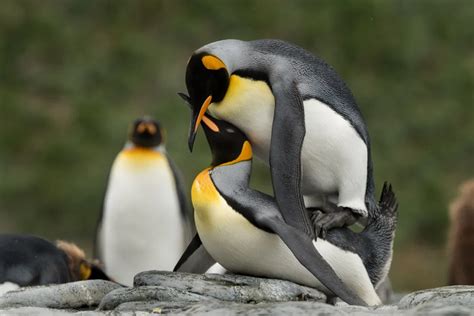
(208, 75)
(227, 142)
(207, 80)
(146, 132)
(79, 267)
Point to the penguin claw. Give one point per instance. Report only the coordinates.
(325, 221)
(315, 216)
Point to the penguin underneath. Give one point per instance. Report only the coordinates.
(300, 118)
(28, 260)
(243, 230)
(144, 223)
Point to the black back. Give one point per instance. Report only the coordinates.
(29, 260)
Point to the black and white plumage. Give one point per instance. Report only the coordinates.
(145, 222)
(299, 116)
(243, 230)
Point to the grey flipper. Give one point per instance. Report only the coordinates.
(261, 210)
(285, 155)
(195, 258)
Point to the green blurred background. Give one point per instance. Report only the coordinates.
(74, 74)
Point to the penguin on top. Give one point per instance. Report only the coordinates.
(300, 118)
(145, 221)
(243, 230)
(29, 260)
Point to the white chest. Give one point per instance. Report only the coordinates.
(142, 228)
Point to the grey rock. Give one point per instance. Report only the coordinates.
(276, 308)
(159, 307)
(149, 293)
(231, 287)
(60, 296)
(43, 311)
(461, 295)
(441, 309)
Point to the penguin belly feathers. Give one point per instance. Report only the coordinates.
(144, 222)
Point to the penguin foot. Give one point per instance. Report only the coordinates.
(331, 216)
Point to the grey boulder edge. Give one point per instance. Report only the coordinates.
(172, 289)
(75, 295)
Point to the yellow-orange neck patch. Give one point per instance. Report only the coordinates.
(140, 156)
(245, 154)
(85, 271)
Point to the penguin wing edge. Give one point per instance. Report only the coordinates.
(288, 133)
(195, 258)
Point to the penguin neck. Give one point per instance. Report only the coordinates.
(235, 170)
(130, 145)
(234, 175)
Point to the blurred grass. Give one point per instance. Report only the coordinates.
(73, 74)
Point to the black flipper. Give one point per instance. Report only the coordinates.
(268, 218)
(195, 258)
(186, 210)
(285, 155)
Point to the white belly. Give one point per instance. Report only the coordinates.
(242, 248)
(334, 157)
(142, 228)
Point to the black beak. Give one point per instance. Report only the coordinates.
(194, 114)
(197, 114)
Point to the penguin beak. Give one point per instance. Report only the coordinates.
(198, 115)
(210, 124)
(196, 121)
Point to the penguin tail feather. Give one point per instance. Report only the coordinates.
(386, 212)
(388, 206)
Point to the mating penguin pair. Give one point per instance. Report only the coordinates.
(244, 231)
(145, 218)
(28, 260)
(299, 116)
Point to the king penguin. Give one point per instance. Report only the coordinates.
(300, 118)
(29, 260)
(243, 230)
(145, 221)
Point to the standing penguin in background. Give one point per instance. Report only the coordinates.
(300, 117)
(145, 221)
(243, 230)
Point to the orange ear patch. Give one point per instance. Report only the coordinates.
(85, 271)
(212, 62)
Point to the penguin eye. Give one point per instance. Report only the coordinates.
(230, 130)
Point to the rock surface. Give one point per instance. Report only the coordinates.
(188, 294)
(231, 287)
(461, 295)
(61, 296)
